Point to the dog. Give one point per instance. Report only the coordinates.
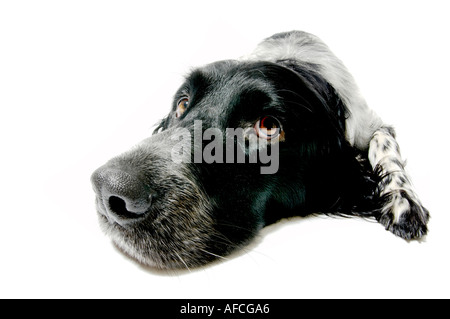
(181, 199)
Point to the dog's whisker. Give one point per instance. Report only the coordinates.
(236, 226)
(309, 109)
(225, 240)
(182, 260)
(304, 103)
(212, 254)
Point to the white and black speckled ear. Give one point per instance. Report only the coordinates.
(401, 211)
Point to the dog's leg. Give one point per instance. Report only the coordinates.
(401, 211)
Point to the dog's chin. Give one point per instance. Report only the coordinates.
(163, 246)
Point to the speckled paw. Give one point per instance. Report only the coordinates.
(403, 215)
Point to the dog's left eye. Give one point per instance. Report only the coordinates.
(182, 106)
(268, 127)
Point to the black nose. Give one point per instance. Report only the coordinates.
(124, 197)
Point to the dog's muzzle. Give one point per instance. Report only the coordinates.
(152, 207)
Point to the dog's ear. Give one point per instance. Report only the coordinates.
(334, 107)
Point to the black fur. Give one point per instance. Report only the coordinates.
(319, 172)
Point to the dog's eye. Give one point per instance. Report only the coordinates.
(182, 106)
(268, 127)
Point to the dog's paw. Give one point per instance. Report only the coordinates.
(403, 215)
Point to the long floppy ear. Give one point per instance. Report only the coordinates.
(341, 172)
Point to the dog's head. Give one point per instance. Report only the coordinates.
(244, 145)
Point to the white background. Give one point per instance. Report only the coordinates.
(82, 81)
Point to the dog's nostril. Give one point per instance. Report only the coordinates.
(119, 207)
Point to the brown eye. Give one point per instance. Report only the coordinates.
(268, 127)
(182, 106)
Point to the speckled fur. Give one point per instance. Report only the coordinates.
(401, 211)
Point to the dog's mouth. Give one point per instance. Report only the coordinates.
(170, 239)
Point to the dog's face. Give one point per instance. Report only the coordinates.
(193, 191)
